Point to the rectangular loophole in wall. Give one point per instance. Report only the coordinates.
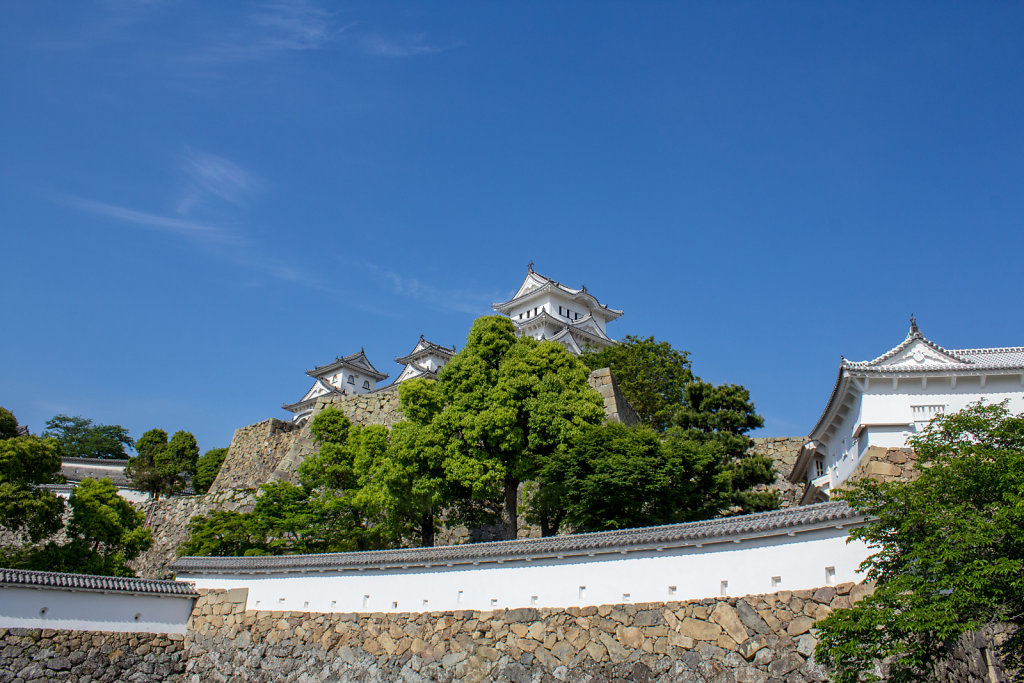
(305, 604)
(394, 604)
(426, 602)
(533, 599)
(458, 598)
(366, 601)
(582, 592)
(830, 576)
(625, 597)
(494, 602)
(671, 590)
(723, 587)
(280, 601)
(334, 603)
(776, 581)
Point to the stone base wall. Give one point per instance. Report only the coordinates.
(755, 639)
(376, 408)
(47, 655)
(886, 464)
(975, 657)
(783, 451)
(254, 454)
(168, 519)
(616, 408)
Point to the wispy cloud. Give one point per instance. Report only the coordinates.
(210, 176)
(400, 46)
(200, 232)
(273, 29)
(472, 302)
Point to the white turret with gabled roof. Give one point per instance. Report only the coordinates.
(545, 309)
(424, 360)
(882, 402)
(345, 375)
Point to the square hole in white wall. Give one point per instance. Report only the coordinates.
(723, 587)
(671, 590)
(830, 576)
(776, 581)
(582, 592)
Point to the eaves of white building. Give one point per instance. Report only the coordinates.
(344, 376)
(885, 401)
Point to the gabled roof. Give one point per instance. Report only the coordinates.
(535, 284)
(728, 529)
(308, 400)
(917, 353)
(426, 348)
(356, 361)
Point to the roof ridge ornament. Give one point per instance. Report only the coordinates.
(529, 267)
(915, 331)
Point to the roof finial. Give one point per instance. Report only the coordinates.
(529, 266)
(583, 288)
(914, 330)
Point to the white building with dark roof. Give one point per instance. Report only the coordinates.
(344, 376)
(424, 360)
(882, 402)
(545, 309)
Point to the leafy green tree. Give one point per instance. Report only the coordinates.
(406, 480)
(651, 374)
(8, 424)
(224, 533)
(80, 438)
(207, 468)
(163, 467)
(104, 534)
(949, 552)
(26, 510)
(509, 403)
(614, 477)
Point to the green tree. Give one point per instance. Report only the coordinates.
(163, 467)
(949, 551)
(80, 438)
(613, 477)
(104, 534)
(207, 468)
(651, 374)
(406, 480)
(224, 533)
(27, 511)
(509, 403)
(8, 424)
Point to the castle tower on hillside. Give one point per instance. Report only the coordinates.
(545, 309)
(346, 375)
(424, 360)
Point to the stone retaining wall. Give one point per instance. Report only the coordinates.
(616, 408)
(254, 454)
(48, 655)
(783, 451)
(755, 639)
(168, 519)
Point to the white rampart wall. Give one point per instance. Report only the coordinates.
(760, 565)
(64, 608)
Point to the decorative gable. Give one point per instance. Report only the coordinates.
(920, 354)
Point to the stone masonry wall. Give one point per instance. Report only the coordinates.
(783, 451)
(886, 464)
(754, 639)
(48, 655)
(616, 408)
(168, 519)
(254, 454)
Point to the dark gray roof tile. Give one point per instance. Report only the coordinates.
(118, 584)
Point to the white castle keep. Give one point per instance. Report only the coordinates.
(541, 308)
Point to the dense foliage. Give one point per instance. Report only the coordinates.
(104, 531)
(948, 551)
(8, 424)
(651, 374)
(80, 438)
(325, 512)
(163, 467)
(207, 468)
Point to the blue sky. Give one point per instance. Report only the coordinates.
(199, 201)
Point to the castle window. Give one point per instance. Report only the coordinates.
(819, 467)
(351, 379)
(366, 384)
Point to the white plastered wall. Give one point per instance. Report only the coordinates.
(762, 565)
(64, 608)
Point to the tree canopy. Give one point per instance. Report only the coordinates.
(508, 404)
(948, 551)
(80, 438)
(28, 511)
(8, 424)
(207, 468)
(163, 467)
(651, 374)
